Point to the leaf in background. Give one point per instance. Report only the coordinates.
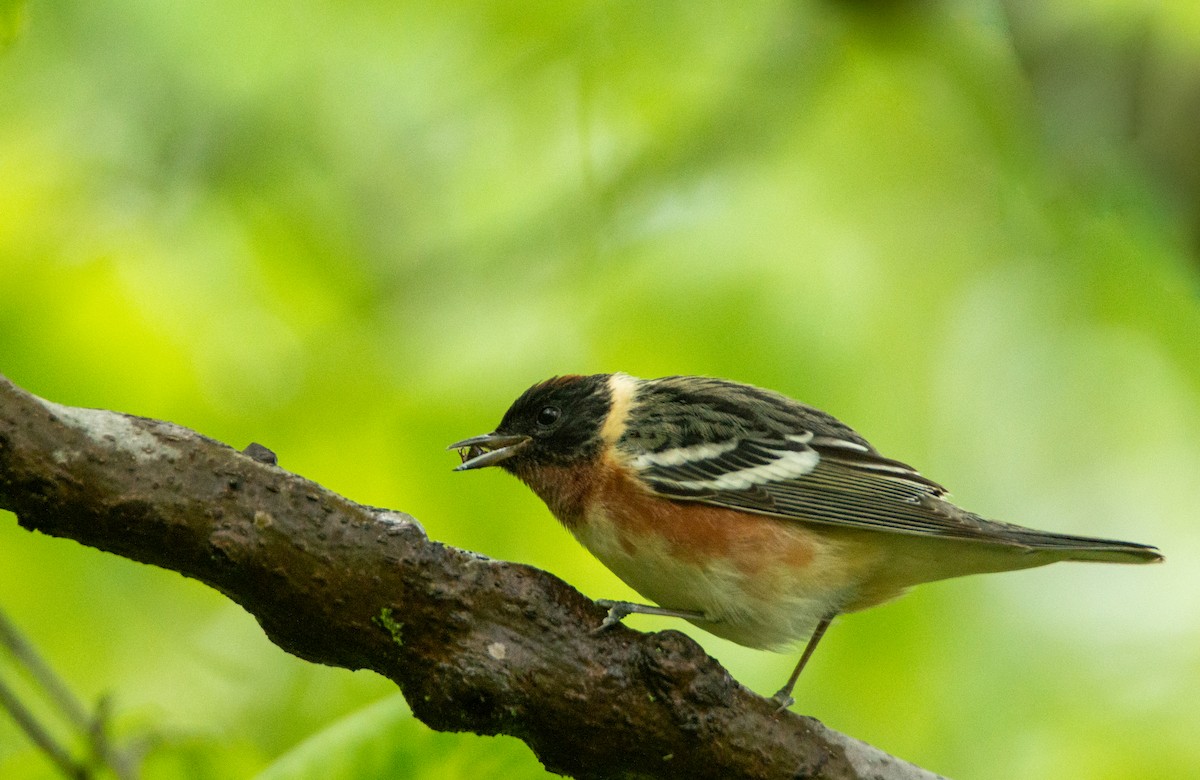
(384, 740)
(364, 744)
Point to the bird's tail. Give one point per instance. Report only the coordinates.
(1065, 547)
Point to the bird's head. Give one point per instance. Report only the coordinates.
(557, 422)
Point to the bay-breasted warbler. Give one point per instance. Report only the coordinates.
(755, 517)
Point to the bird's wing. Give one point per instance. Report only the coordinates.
(803, 477)
(823, 478)
(775, 456)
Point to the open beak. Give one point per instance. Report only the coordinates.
(488, 449)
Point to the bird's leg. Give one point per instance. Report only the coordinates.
(617, 610)
(783, 697)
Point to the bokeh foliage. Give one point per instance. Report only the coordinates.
(354, 232)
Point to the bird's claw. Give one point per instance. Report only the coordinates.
(617, 611)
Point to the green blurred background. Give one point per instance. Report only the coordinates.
(354, 232)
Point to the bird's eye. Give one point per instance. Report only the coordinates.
(548, 416)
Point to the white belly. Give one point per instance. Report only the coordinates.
(773, 607)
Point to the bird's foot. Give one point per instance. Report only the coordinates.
(783, 698)
(619, 610)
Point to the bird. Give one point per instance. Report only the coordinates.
(753, 516)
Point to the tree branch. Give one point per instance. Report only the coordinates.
(474, 644)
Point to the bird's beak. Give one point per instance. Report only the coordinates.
(488, 449)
